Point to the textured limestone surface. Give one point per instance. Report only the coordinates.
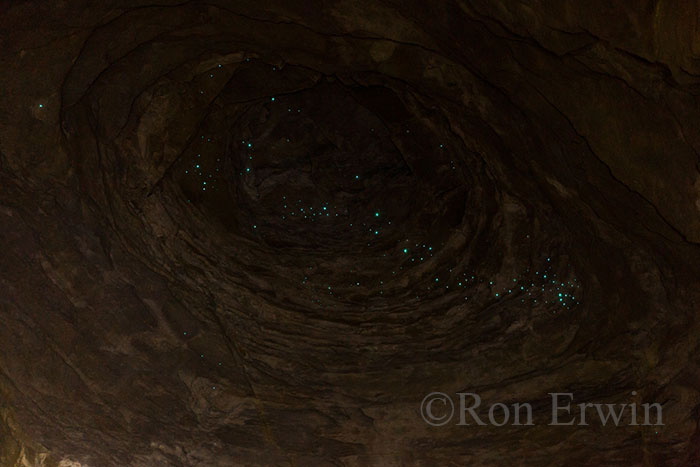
(261, 232)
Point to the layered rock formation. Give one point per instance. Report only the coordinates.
(260, 233)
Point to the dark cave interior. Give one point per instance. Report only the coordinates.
(261, 233)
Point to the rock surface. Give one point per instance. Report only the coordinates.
(260, 233)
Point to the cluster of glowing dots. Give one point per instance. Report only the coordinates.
(545, 284)
(211, 76)
(301, 210)
(289, 109)
(329, 288)
(205, 172)
(543, 287)
(374, 225)
(416, 251)
(248, 148)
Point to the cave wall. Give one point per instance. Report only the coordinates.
(461, 147)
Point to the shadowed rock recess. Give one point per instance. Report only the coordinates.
(262, 232)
